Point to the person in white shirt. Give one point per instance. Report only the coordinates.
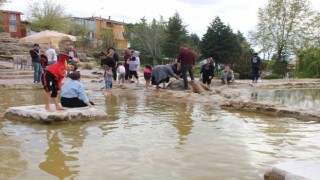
(121, 72)
(72, 52)
(51, 55)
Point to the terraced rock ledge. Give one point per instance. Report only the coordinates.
(249, 105)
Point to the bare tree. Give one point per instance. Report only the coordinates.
(2, 2)
(48, 15)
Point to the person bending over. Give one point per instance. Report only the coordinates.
(52, 80)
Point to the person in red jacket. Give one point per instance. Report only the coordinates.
(187, 60)
(52, 79)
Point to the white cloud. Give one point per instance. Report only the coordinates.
(197, 14)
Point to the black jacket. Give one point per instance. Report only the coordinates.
(108, 61)
(35, 55)
(207, 70)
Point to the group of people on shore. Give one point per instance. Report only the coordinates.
(53, 66)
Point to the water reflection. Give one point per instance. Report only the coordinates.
(11, 162)
(183, 121)
(304, 98)
(148, 136)
(55, 163)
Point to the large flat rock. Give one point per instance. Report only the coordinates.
(294, 170)
(38, 113)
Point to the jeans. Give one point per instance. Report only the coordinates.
(108, 85)
(185, 68)
(255, 73)
(37, 71)
(225, 79)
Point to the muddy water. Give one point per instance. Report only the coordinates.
(303, 98)
(147, 139)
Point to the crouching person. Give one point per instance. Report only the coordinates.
(73, 94)
(52, 80)
(227, 75)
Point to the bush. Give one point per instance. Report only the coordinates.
(217, 75)
(236, 75)
(86, 65)
(272, 76)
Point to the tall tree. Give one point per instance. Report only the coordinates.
(193, 42)
(220, 43)
(107, 38)
(283, 26)
(147, 38)
(176, 34)
(309, 63)
(243, 63)
(49, 15)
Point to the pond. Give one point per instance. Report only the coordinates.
(302, 98)
(144, 138)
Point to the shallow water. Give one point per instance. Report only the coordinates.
(303, 98)
(144, 138)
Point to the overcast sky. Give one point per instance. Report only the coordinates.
(196, 14)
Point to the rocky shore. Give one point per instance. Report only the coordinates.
(227, 96)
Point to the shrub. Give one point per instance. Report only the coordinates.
(272, 76)
(86, 65)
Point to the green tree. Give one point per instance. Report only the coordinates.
(107, 38)
(80, 31)
(176, 34)
(283, 26)
(48, 15)
(243, 64)
(309, 63)
(220, 43)
(147, 38)
(1, 23)
(2, 2)
(193, 42)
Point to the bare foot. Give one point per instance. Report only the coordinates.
(48, 109)
(60, 109)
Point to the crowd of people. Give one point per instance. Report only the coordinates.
(51, 66)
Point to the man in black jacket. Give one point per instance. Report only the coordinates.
(36, 63)
(115, 56)
(107, 60)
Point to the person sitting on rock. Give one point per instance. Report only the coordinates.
(227, 75)
(73, 94)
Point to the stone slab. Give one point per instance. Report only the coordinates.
(294, 170)
(38, 113)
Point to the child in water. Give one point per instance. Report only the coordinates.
(108, 77)
(147, 74)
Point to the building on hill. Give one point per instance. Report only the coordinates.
(12, 23)
(105, 31)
